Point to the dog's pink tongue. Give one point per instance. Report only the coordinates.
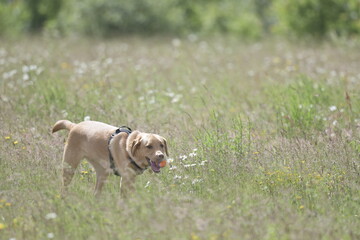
(155, 167)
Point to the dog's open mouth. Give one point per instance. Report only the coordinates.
(155, 167)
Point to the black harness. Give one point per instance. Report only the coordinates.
(111, 158)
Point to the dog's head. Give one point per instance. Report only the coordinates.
(147, 149)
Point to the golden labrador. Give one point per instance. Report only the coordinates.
(111, 150)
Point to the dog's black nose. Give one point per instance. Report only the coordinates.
(161, 156)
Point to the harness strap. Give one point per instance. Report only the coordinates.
(111, 158)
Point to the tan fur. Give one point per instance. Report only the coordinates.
(89, 140)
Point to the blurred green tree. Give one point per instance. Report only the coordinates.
(262, 10)
(41, 11)
(245, 18)
(318, 18)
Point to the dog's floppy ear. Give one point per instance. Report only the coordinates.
(166, 148)
(135, 145)
(133, 142)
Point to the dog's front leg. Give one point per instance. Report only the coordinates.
(127, 183)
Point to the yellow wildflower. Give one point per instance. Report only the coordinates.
(194, 237)
(7, 137)
(65, 65)
(15, 142)
(2, 226)
(301, 207)
(213, 237)
(276, 60)
(8, 204)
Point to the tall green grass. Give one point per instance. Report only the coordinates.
(306, 106)
(263, 139)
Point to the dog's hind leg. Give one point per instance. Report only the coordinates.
(71, 160)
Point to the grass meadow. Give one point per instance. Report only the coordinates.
(264, 138)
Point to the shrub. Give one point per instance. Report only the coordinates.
(317, 17)
(110, 17)
(13, 18)
(42, 11)
(107, 18)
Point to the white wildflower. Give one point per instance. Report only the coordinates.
(108, 61)
(177, 177)
(25, 69)
(152, 100)
(176, 42)
(189, 165)
(334, 123)
(138, 67)
(32, 67)
(176, 98)
(196, 181)
(203, 162)
(251, 73)
(173, 168)
(26, 77)
(147, 184)
(87, 118)
(192, 154)
(64, 113)
(39, 70)
(332, 108)
(170, 94)
(170, 160)
(9, 74)
(51, 216)
(50, 235)
(183, 157)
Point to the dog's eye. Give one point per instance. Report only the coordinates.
(149, 146)
(162, 145)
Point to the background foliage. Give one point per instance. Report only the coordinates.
(249, 19)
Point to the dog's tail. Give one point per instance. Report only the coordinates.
(63, 124)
